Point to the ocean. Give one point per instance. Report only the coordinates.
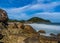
(49, 28)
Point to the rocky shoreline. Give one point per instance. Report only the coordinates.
(20, 33)
(16, 31)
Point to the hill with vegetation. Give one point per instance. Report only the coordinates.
(38, 20)
(31, 20)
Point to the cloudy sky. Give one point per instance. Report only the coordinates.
(25, 9)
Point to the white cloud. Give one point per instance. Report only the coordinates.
(47, 10)
(54, 16)
(17, 13)
(20, 9)
(45, 7)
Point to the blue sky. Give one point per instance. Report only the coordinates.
(25, 9)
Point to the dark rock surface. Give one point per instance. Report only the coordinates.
(3, 17)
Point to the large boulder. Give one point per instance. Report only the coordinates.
(3, 15)
(29, 29)
(20, 25)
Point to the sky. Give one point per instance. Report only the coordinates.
(25, 9)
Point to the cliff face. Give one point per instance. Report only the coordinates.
(17, 32)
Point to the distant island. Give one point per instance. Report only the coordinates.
(31, 20)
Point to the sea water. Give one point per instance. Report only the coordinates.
(49, 28)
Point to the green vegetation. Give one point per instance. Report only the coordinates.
(38, 20)
(31, 20)
(11, 20)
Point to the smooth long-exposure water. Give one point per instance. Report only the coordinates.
(49, 28)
